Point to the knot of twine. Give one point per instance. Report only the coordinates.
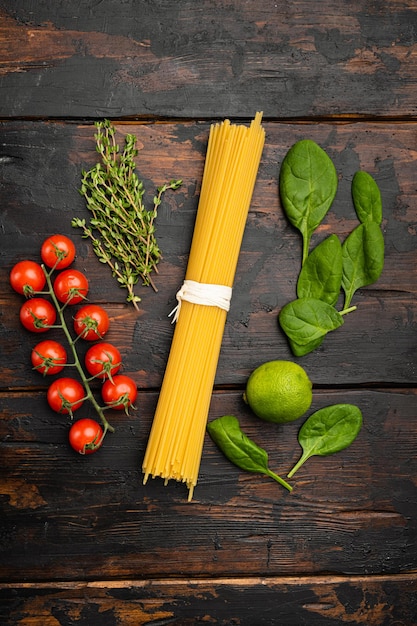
(202, 293)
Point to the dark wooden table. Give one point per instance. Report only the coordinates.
(82, 540)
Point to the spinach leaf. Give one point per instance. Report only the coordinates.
(366, 198)
(306, 320)
(239, 449)
(363, 258)
(301, 350)
(308, 185)
(321, 275)
(327, 431)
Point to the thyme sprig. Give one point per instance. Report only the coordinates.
(122, 230)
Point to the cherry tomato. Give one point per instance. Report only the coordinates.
(58, 251)
(37, 315)
(121, 392)
(71, 286)
(26, 277)
(91, 322)
(65, 395)
(86, 436)
(103, 360)
(49, 357)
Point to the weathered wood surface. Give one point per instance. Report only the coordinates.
(328, 600)
(67, 518)
(208, 58)
(82, 541)
(41, 175)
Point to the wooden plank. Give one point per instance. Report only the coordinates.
(208, 59)
(42, 165)
(376, 347)
(68, 517)
(330, 600)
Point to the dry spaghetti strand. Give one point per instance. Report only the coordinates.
(176, 439)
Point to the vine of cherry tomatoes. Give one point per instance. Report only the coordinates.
(49, 288)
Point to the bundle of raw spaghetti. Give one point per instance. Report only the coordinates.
(176, 439)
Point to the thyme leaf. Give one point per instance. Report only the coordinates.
(121, 229)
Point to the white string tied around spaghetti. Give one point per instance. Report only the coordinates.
(202, 293)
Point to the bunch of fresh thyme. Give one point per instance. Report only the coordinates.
(121, 229)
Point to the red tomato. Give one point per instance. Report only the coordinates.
(27, 277)
(85, 436)
(120, 393)
(103, 359)
(49, 357)
(71, 286)
(91, 322)
(37, 315)
(65, 395)
(58, 251)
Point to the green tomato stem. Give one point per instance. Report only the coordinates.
(89, 394)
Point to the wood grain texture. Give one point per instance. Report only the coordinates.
(211, 58)
(70, 517)
(325, 600)
(82, 541)
(41, 172)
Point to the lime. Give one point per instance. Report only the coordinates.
(279, 391)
